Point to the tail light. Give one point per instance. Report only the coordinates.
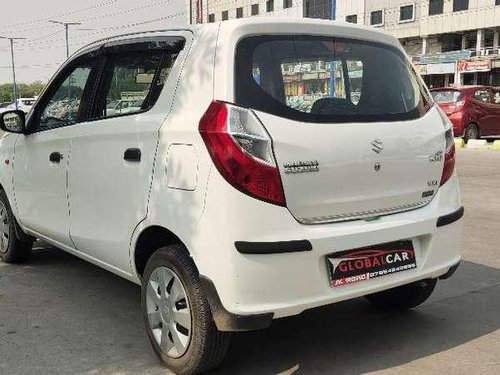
(241, 150)
(449, 157)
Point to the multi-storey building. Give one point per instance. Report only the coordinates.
(221, 10)
(450, 41)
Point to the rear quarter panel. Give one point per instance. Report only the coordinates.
(177, 196)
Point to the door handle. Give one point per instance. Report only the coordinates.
(132, 154)
(56, 157)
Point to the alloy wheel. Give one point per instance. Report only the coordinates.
(168, 311)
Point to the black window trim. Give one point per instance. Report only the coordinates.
(427, 101)
(33, 123)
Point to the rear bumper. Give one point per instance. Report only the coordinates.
(287, 283)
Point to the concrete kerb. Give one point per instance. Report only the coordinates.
(459, 143)
(477, 143)
(495, 146)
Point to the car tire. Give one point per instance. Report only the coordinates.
(14, 247)
(471, 132)
(404, 297)
(172, 299)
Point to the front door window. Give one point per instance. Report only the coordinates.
(63, 106)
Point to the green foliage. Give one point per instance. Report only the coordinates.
(25, 90)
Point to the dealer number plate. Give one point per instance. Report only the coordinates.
(352, 266)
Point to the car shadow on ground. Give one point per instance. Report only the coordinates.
(353, 337)
(91, 323)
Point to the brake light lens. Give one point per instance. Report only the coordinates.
(449, 157)
(242, 152)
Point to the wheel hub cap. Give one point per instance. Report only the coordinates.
(169, 313)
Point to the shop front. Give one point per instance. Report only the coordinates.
(438, 75)
(475, 72)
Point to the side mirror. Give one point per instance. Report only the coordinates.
(13, 121)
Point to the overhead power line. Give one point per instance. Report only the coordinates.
(99, 17)
(60, 15)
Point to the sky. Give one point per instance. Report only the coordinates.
(39, 55)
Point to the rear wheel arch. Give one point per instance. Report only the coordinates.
(149, 240)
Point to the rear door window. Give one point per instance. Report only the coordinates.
(134, 76)
(496, 97)
(482, 95)
(449, 96)
(324, 79)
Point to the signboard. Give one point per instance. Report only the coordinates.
(144, 78)
(308, 76)
(291, 78)
(445, 57)
(495, 64)
(471, 66)
(421, 69)
(355, 74)
(447, 68)
(133, 95)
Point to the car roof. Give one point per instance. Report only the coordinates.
(288, 25)
(465, 88)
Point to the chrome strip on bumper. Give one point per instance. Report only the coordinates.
(364, 215)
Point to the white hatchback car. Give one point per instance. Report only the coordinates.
(274, 166)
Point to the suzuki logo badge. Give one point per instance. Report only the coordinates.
(377, 145)
(376, 167)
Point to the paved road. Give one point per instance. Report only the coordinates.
(60, 315)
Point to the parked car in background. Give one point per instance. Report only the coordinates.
(233, 199)
(23, 104)
(473, 110)
(121, 107)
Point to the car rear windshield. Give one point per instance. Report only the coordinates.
(325, 79)
(451, 96)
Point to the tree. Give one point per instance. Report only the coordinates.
(25, 90)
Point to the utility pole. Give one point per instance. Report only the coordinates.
(14, 91)
(66, 27)
(333, 6)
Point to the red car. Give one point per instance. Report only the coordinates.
(473, 110)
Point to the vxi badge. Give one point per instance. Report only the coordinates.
(301, 167)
